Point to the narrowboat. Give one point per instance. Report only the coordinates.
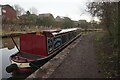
(37, 48)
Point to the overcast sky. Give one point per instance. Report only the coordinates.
(75, 9)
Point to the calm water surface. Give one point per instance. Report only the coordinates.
(7, 48)
(5, 60)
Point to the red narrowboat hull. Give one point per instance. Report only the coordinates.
(36, 50)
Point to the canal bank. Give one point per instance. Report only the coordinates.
(78, 60)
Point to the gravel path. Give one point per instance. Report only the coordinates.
(80, 62)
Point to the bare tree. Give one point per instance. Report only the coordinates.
(33, 10)
(19, 10)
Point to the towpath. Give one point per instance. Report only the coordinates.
(80, 62)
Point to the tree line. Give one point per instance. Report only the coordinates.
(108, 13)
(31, 18)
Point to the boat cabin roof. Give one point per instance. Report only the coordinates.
(64, 31)
(51, 33)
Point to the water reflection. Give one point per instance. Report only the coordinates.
(6, 53)
(7, 42)
(7, 48)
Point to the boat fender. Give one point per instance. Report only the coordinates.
(11, 68)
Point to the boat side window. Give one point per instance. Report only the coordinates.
(57, 41)
(50, 44)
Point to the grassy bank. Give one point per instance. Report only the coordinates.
(17, 29)
(106, 54)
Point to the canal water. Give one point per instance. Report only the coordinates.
(7, 48)
(5, 60)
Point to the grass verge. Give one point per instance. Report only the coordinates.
(107, 56)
